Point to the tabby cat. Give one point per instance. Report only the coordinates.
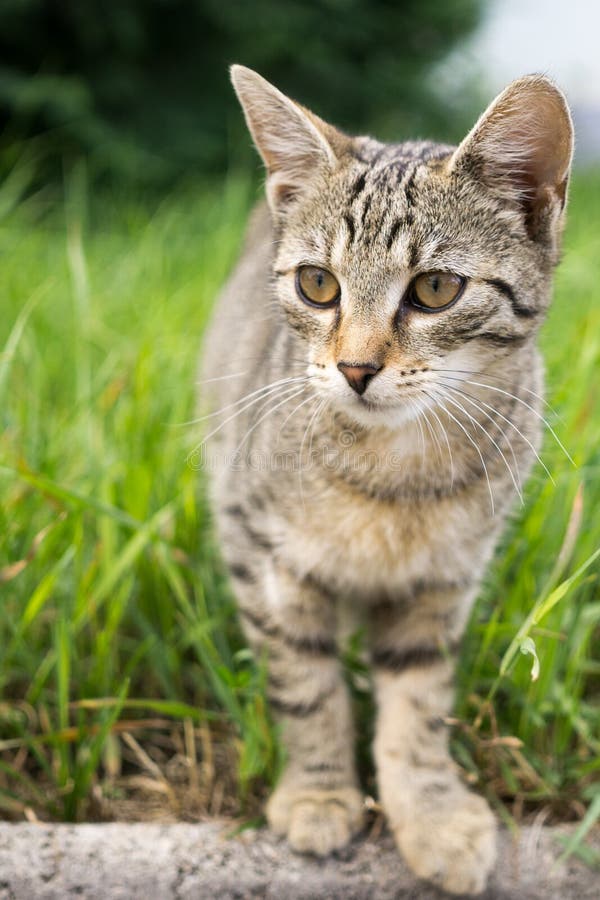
(374, 388)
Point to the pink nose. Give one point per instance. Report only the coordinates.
(358, 375)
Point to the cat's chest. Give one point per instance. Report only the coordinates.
(364, 544)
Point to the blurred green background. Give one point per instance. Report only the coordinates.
(126, 176)
(141, 86)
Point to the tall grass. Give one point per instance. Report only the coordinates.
(115, 616)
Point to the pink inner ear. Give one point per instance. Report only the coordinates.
(546, 143)
(526, 140)
(292, 141)
(521, 148)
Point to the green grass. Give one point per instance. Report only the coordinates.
(119, 650)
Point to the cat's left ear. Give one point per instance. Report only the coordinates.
(296, 146)
(521, 148)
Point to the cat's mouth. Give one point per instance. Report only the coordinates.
(378, 404)
(388, 412)
(364, 404)
(369, 409)
(367, 402)
(371, 405)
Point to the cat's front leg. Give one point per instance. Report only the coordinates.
(446, 833)
(317, 803)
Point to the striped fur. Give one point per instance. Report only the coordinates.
(387, 505)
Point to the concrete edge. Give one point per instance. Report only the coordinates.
(163, 861)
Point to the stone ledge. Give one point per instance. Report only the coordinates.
(185, 861)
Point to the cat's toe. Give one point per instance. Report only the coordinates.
(316, 821)
(453, 847)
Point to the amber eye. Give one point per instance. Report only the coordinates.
(317, 286)
(436, 290)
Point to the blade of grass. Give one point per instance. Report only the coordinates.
(540, 609)
(576, 841)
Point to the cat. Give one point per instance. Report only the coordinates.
(374, 384)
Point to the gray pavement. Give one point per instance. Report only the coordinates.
(200, 861)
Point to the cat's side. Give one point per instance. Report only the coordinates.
(375, 385)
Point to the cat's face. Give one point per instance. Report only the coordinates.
(398, 263)
(416, 263)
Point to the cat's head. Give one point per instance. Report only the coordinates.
(399, 261)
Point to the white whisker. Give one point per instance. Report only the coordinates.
(445, 433)
(497, 412)
(291, 392)
(306, 432)
(460, 407)
(470, 399)
(274, 390)
(434, 437)
(497, 378)
(258, 395)
(498, 390)
(318, 409)
(221, 378)
(474, 443)
(314, 421)
(295, 409)
(417, 419)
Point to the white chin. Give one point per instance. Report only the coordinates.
(371, 415)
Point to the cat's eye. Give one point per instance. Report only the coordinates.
(317, 286)
(435, 290)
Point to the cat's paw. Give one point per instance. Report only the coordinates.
(316, 821)
(452, 845)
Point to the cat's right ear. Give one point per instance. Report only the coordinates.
(295, 145)
(521, 148)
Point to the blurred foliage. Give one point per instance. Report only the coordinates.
(141, 86)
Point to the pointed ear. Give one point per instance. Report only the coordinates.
(521, 148)
(294, 143)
